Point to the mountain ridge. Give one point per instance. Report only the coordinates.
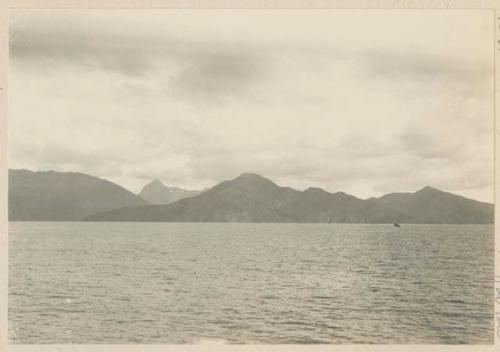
(253, 198)
(62, 196)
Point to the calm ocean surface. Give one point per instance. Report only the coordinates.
(250, 283)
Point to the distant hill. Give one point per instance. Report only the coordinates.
(63, 196)
(253, 198)
(156, 192)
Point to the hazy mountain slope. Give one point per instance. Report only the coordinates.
(248, 198)
(430, 205)
(317, 205)
(58, 196)
(156, 192)
(252, 198)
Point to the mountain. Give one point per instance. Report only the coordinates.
(253, 198)
(156, 192)
(435, 206)
(63, 196)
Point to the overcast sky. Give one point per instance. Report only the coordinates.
(367, 102)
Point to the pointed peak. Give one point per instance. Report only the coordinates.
(155, 184)
(156, 181)
(247, 179)
(429, 189)
(249, 175)
(315, 190)
(252, 178)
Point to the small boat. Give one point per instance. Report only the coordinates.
(396, 224)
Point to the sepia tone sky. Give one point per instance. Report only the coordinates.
(367, 102)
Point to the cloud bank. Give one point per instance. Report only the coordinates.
(366, 102)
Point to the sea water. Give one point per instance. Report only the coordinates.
(179, 283)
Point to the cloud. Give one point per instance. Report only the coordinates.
(425, 66)
(216, 76)
(194, 98)
(51, 46)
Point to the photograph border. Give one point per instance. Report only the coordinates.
(449, 5)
